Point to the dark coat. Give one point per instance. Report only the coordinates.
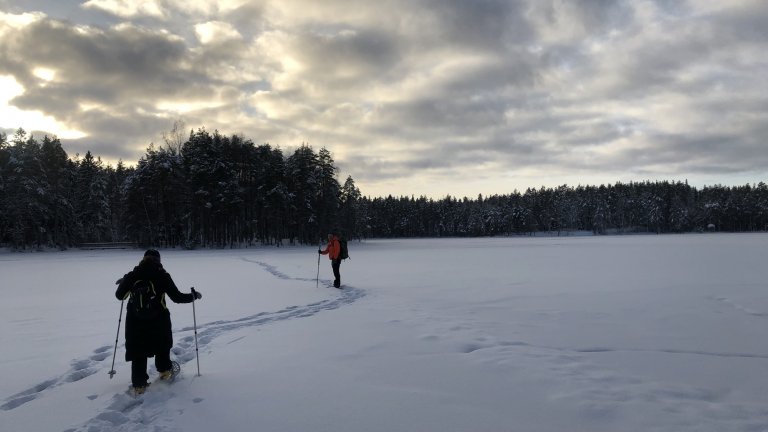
(149, 337)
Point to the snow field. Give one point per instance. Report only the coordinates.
(636, 333)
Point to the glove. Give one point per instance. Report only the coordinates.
(119, 281)
(197, 295)
(319, 252)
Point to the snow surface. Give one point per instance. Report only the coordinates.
(631, 333)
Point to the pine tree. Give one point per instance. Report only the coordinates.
(26, 192)
(90, 200)
(303, 175)
(271, 195)
(350, 211)
(328, 200)
(115, 195)
(59, 172)
(5, 157)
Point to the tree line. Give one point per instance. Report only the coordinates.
(636, 207)
(208, 190)
(212, 190)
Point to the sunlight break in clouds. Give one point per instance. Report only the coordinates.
(30, 120)
(126, 8)
(10, 22)
(44, 74)
(215, 31)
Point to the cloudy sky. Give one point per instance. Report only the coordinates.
(422, 97)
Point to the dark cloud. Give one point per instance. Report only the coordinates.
(99, 66)
(483, 24)
(346, 59)
(592, 17)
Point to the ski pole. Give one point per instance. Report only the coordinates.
(112, 372)
(194, 320)
(317, 280)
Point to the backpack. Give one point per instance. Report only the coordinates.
(344, 252)
(144, 301)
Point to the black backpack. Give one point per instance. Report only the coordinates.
(344, 252)
(144, 302)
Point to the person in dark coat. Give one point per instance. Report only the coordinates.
(150, 337)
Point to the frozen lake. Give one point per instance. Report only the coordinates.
(626, 333)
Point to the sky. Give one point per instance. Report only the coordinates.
(427, 97)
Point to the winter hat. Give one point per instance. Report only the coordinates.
(152, 253)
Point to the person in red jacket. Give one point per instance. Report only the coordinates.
(333, 250)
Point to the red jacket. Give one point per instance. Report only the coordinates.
(333, 249)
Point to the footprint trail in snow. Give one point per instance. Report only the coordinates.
(126, 413)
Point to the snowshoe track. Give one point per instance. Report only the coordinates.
(125, 412)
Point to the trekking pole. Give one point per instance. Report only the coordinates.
(317, 280)
(194, 320)
(112, 372)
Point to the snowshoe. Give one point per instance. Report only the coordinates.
(170, 375)
(139, 390)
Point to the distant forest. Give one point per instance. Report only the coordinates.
(211, 190)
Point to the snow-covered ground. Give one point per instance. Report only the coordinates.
(634, 333)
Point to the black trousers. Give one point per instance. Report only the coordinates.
(139, 375)
(335, 264)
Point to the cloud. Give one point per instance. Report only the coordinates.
(409, 92)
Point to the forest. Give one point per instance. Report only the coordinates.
(213, 191)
